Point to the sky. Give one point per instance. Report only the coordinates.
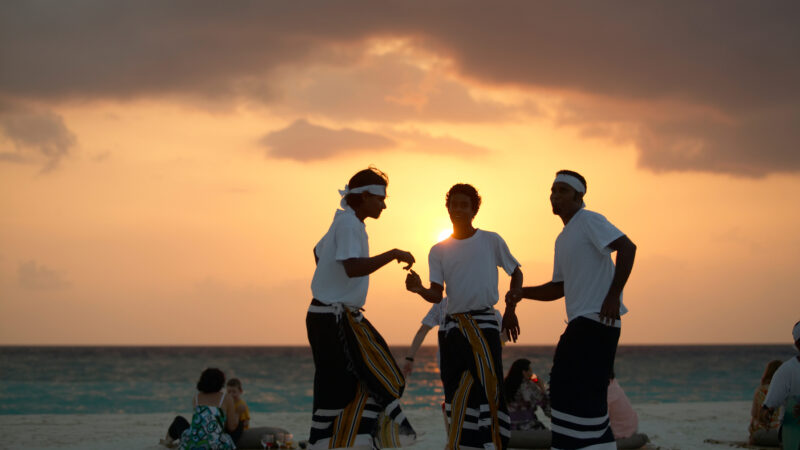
(167, 168)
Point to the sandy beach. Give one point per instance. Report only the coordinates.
(669, 426)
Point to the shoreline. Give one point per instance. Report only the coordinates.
(668, 425)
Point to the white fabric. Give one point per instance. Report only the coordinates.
(796, 332)
(346, 238)
(436, 314)
(583, 262)
(467, 268)
(374, 189)
(572, 181)
(785, 383)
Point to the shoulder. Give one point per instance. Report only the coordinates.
(490, 236)
(588, 216)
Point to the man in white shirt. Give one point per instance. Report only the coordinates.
(784, 389)
(465, 265)
(356, 380)
(592, 285)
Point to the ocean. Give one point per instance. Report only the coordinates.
(107, 380)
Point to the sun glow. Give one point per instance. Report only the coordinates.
(444, 234)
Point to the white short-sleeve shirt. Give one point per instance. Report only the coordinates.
(785, 384)
(346, 238)
(583, 263)
(467, 268)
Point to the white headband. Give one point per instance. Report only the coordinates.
(374, 189)
(572, 181)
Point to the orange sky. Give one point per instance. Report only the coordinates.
(164, 176)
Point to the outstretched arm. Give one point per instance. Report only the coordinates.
(408, 365)
(431, 295)
(545, 292)
(360, 267)
(626, 252)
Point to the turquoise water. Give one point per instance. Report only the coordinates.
(68, 380)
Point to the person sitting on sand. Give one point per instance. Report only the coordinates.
(784, 389)
(524, 396)
(234, 389)
(214, 415)
(764, 433)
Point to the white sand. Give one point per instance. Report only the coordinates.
(669, 426)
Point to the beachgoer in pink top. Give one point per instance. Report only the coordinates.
(623, 419)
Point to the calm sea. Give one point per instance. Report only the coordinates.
(68, 380)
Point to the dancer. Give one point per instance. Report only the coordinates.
(465, 265)
(592, 285)
(356, 380)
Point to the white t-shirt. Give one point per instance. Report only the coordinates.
(583, 263)
(785, 383)
(467, 268)
(346, 238)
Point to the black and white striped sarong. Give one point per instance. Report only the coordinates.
(357, 383)
(582, 365)
(472, 369)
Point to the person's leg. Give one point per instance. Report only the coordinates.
(334, 386)
(579, 385)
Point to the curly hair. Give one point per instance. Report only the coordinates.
(467, 190)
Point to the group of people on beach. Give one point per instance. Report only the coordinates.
(358, 383)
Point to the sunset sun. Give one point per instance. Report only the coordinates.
(444, 234)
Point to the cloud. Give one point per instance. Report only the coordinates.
(735, 59)
(34, 276)
(303, 141)
(37, 137)
(429, 144)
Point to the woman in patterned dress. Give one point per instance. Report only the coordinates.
(214, 415)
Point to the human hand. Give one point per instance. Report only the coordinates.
(510, 324)
(609, 312)
(514, 295)
(413, 281)
(403, 256)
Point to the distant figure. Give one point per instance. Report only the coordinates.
(524, 396)
(764, 433)
(466, 265)
(784, 389)
(234, 388)
(214, 415)
(357, 382)
(592, 284)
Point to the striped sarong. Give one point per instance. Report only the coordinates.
(582, 365)
(357, 382)
(472, 370)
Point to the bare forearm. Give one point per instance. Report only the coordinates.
(545, 292)
(431, 295)
(361, 267)
(516, 279)
(626, 253)
(419, 338)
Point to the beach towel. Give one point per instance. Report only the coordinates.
(582, 365)
(356, 381)
(471, 375)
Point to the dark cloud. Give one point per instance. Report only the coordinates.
(34, 276)
(36, 137)
(303, 141)
(735, 58)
